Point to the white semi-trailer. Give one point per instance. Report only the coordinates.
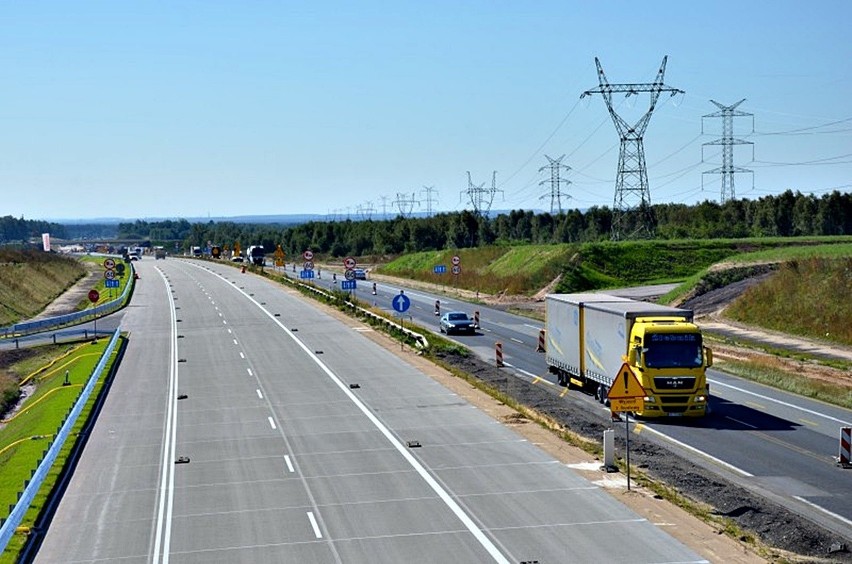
(590, 336)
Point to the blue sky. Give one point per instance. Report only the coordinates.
(187, 109)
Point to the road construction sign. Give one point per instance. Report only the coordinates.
(626, 385)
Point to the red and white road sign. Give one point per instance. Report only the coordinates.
(109, 264)
(349, 263)
(309, 265)
(109, 274)
(309, 255)
(456, 269)
(94, 296)
(456, 260)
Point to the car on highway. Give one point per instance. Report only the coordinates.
(360, 274)
(457, 322)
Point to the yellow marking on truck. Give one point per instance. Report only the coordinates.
(578, 383)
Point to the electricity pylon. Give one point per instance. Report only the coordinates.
(480, 197)
(556, 182)
(727, 141)
(429, 199)
(631, 208)
(405, 204)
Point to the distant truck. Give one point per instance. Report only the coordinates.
(159, 253)
(196, 251)
(256, 255)
(590, 336)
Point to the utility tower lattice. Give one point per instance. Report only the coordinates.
(405, 204)
(727, 141)
(631, 213)
(429, 199)
(481, 198)
(366, 211)
(556, 182)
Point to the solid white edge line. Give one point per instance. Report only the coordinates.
(824, 510)
(314, 525)
(468, 522)
(163, 527)
(289, 462)
(779, 402)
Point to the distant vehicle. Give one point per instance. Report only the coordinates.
(196, 251)
(256, 255)
(134, 253)
(159, 253)
(360, 274)
(237, 258)
(457, 322)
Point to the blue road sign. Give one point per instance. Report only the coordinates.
(306, 274)
(401, 303)
(440, 268)
(347, 285)
(111, 283)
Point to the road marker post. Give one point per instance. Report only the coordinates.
(498, 351)
(540, 347)
(845, 458)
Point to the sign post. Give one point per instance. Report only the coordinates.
(626, 394)
(94, 296)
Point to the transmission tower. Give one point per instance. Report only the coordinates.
(556, 182)
(727, 141)
(631, 208)
(405, 204)
(366, 211)
(429, 199)
(480, 197)
(384, 200)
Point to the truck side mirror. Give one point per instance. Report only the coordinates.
(708, 356)
(634, 355)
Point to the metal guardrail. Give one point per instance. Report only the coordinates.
(38, 326)
(19, 511)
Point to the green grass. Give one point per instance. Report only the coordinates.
(26, 436)
(30, 280)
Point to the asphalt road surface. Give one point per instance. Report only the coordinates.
(779, 445)
(245, 425)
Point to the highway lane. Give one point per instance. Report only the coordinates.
(778, 444)
(290, 461)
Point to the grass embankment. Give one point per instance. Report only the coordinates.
(526, 269)
(27, 434)
(31, 279)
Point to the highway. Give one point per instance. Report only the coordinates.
(777, 444)
(246, 425)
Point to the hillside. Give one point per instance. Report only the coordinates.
(31, 279)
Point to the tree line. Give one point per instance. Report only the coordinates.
(785, 215)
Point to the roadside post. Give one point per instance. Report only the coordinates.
(626, 395)
(94, 296)
(845, 458)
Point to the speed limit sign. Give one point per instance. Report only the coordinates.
(456, 269)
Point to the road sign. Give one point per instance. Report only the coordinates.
(109, 264)
(109, 274)
(401, 303)
(625, 385)
(279, 262)
(456, 260)
(111, 283)
(120, 268)
(456, 269)
(349, 275)
(94, 296)
(309, 265)
(626, 404)
(439, 268)
(349, 263)
(347, 285)
(309, 255)
(306, 274)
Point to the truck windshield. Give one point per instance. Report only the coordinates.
(673, 350)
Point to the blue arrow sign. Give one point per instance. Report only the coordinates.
(347, 285)
(401, 303)
(111, 283)
(306, 274)
(440, 268)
